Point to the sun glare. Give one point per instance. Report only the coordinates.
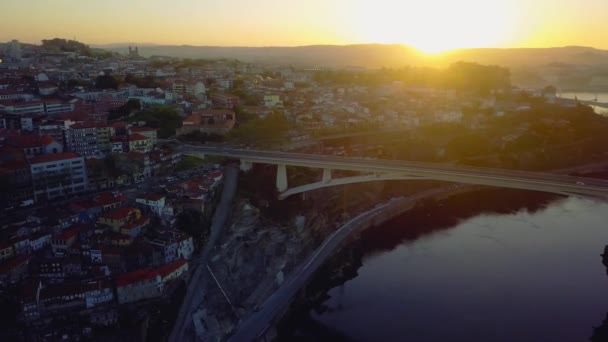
(434, 26)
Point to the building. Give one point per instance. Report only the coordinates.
(104, 136)
(155, 202)
(135, 228)
(135, 286)
(64, 240)
(6, 251)
(56, 107)
(173, 270)
(58, 175)
(136, 165)
(22, 107)
(225, 100)
(272, 101)
(118, 218)
(148, 132)
(140, 143)
(208, 121)
(173, 245)
(14, 270)
(134, 53)
(81, 138)
(53, 128)
(14, 51)
(193, 89)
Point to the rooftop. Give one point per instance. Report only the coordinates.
(46, 158)
(137, 137)
(119, 213)
(167, 269)
(135, 277)
(142, 129)
(151, 197)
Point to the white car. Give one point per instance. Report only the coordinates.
(580, 183)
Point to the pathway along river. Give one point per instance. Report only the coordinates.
(476, 267)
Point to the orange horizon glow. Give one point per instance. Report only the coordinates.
(431, 26)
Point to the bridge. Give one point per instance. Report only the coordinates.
(379, 169)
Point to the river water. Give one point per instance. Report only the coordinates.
(601, 97)
(532, 273)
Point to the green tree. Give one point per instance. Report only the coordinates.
(106, 82)
(267, 131)
(165, 118)
(125, 110)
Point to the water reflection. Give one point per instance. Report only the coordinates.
(600, 334)
(448, 273)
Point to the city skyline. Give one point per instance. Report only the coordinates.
(431, 26)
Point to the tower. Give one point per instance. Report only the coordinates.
(14, 50)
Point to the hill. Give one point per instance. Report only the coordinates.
(377, 55)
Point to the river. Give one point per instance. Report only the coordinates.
(531, 272)
(601, 97)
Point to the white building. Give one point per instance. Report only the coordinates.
(272, 100)
(39, 241)
(98, 292)
(57, 175)
(155, 202)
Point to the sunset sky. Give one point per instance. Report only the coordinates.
(430, 25)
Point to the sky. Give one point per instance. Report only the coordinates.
(429, 25)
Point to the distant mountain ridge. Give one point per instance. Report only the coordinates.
(376, 55)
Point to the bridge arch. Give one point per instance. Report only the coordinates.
(344, 181)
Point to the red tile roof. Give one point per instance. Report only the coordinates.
(46, 140)
(84, 204)
(152, 197)
(106, 198)
(142, 221)
(26, 140)
(135, 277)
(119, 213)
(14, 166)
(167, 269)
(137, 137)
(68, 234)
(86, 124)
(119, 124)
(194, 119)
(53, 157)
(215, 112)
(142, 129)
(10, 265)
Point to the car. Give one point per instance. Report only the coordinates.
(580, 183)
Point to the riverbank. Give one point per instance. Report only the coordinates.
(430, 216)
(261, 324)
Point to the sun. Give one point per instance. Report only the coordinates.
(434, 26)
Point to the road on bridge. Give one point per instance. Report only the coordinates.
(548, 182)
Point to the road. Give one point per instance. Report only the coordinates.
(194, 295)
(548, 182)
(256, 325)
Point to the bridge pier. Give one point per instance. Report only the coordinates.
(246, 165)
(282, 178)
(326, 176)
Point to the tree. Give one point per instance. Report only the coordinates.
(166, 119)
(106, 82)
(125, 110)
(267, 131)
(193, 222)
